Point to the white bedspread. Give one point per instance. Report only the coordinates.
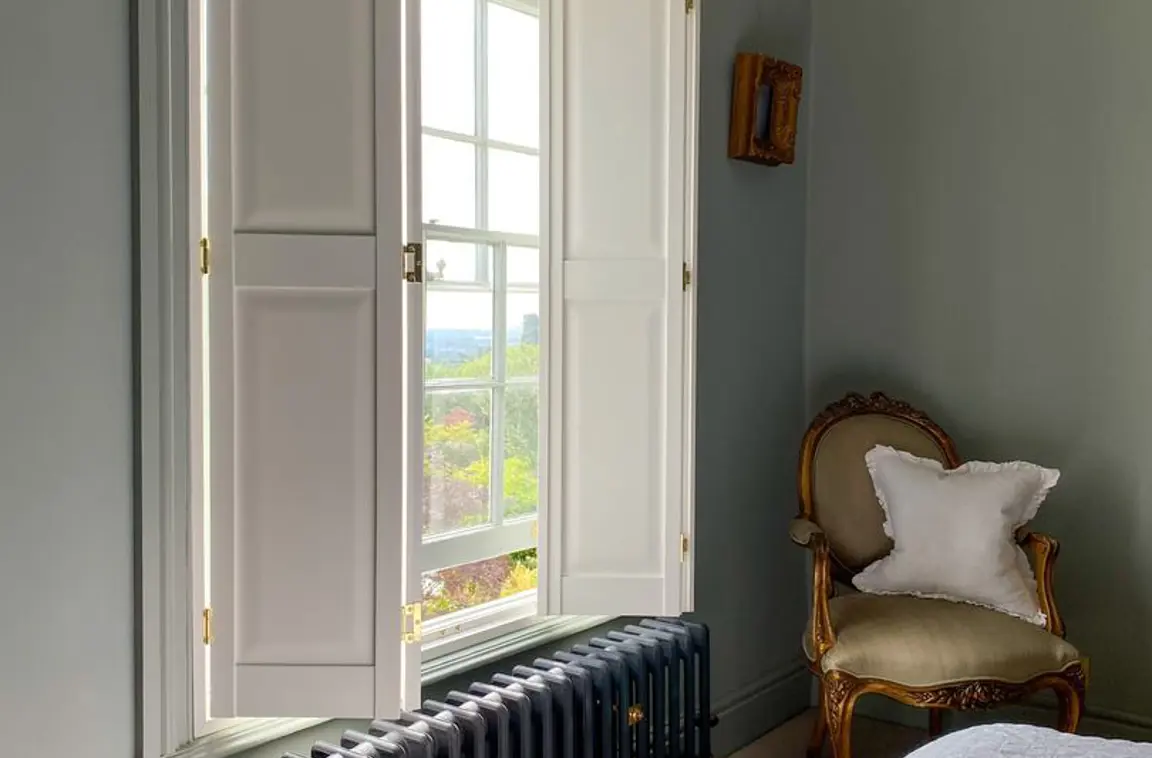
(1020, 741)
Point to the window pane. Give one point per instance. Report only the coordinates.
(523, 334)
(521, 442)
(513, 76)
(449, 178)
(472, 584)
(456, 460)
(523, 265)
(448, 65)
(457, 262)
(513, 192)
(458, 335)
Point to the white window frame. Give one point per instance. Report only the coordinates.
(165, 255)
(497, 537)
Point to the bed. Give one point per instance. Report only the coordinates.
(1021, 741)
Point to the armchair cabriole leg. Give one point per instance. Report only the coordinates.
(1070, 693)
(840, 696)
(935, 722)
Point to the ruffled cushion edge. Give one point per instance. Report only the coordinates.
(1048, 479)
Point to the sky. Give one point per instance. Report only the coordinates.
(450, 166)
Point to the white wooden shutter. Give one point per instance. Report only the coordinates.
(304, 155)
(618, 151)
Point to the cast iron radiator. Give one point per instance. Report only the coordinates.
(640, 692)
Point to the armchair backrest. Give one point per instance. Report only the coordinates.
(836, 491)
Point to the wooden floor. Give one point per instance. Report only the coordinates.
(870, 739)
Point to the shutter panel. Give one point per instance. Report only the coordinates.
(617, 156)
(305, 377)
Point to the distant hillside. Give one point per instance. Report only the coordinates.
(461, 345)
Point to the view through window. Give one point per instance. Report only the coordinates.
(481, 206)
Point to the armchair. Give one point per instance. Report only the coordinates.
(931, 654)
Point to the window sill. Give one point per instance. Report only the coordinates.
(458, 655)
(442, 659)
(244, 734)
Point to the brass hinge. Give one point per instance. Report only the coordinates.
(683, 548)
(413, 262)
(205, 256)
(207, 616)
(689, 5)
(687, 277)
(411, 629)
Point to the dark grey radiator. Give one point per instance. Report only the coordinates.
(640, 692)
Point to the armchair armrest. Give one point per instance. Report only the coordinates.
(1044, 551)
(801, 531)
(806, 533)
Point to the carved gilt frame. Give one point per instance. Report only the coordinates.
(839, 690)
(782, 83)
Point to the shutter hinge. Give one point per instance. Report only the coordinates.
(687, 277)
(683, 548)
(205, 256)
(411, 629)
(689, 5)
(207, 616)
(413, 255)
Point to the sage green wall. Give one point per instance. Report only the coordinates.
(980, 242)
(750, 580)
(66, 555)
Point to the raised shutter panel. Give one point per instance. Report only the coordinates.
(305, 316)
(617, 158)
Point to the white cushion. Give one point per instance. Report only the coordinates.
(954, 530)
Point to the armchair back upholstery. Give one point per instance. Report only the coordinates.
(835, 489)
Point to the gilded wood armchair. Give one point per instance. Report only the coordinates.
(931, 654)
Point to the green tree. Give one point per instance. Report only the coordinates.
(457, 472)
(457, 445)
